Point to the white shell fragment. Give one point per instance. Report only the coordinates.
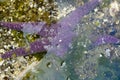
(114, 8)
(107, 52)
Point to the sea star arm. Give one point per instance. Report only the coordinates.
(15, 52)
(62, 41)
(57, 33)
(70, 20)
(104, 39)
(75, 16)
(27, 27)
(37, 46)
(12, 25)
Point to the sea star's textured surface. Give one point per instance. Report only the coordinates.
(58, 35)
(106, 39)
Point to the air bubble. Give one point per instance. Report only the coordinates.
(62, 64)
(68, 78)
(49, 64)
(51, 30)
(78, 43)
(60, 40)
(85, 52)
(46, 47)
(84, 46)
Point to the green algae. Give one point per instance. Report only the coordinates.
(27, 10)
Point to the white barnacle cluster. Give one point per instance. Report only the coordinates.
(107, 52)
(114, 8)
(65, 10)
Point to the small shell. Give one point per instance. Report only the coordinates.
(114, 8)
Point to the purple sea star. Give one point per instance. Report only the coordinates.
(55, 38)
(104, 39)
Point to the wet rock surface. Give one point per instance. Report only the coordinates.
(82, 61)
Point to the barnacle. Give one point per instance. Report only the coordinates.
(28, 10)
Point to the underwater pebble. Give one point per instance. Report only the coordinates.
(114, 8)
(107, 52)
